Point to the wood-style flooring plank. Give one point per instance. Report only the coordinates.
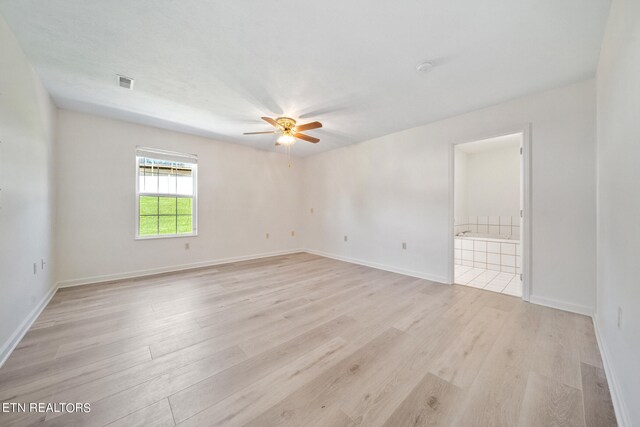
(496, 395)
(201, 395)
(598, 407)
(557, 352)
(587, 342)
(113, 400)
(551, 403)
(432, 402)
(155, 415)
(460, 362)
(340, 385)
(304, 340)
(246, 404)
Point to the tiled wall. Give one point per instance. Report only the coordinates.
(492, 255)
(493, 225)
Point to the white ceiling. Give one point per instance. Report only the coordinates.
(214, 67)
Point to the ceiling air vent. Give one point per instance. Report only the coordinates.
(125, 82)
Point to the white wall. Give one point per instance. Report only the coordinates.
(26, 195)
(461, 209)
(396, 189)
(619, 205)
(243, 194)
(493, 182)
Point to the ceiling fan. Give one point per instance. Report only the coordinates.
(288, 131)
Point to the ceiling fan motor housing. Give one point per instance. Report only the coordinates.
(289, 132)
(286, 123)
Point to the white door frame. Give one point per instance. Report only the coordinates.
(525, 244)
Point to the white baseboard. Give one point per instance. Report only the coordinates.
(8, 347)
(15, 338)
(619, 406)
(420, 275)
(168, 269)
(562, 305)
(21, 330)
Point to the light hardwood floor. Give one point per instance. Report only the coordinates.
(307, 341)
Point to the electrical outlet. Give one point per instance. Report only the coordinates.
(187, 246)
(619, 317)
(404, 245)
(267, 235)
(42, 263)
(346, 238)
(311, 210)
(293, 234)
(35, 268)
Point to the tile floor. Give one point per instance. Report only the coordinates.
(506, 283)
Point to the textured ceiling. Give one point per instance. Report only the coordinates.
(214, 67)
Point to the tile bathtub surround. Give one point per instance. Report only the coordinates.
(485, 254)
(494, 225)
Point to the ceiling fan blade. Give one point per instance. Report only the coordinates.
(306, 137)
(257, 133)
(308, 126)
(271, 122)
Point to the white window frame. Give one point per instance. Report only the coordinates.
(164, 155)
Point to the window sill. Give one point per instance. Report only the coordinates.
(166, 236)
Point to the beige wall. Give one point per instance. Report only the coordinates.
(493, 182)
(242, 195)
(396, 189)
(619, 207)
(26, 195)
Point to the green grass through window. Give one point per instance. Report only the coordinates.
(165, 215)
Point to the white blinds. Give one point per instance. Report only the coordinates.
(168, 156)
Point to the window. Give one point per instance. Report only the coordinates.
(165, 194)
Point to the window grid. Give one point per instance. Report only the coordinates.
(148, 167)
(158, 215)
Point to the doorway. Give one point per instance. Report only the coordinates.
(489, 231)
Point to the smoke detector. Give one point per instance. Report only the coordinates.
(125, 82)
(424, 67)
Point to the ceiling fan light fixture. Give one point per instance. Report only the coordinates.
(286, 138)
(424, 67)
(288, 132)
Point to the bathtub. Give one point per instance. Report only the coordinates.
(488, 237)
(488, 251)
